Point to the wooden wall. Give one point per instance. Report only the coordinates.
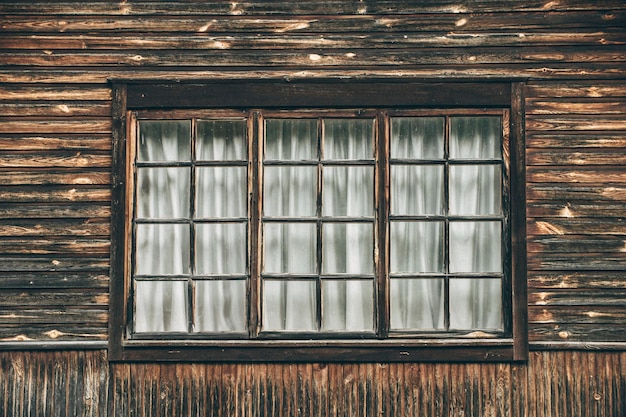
(55, 194)
(80, 383)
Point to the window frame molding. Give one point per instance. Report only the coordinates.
(135, 95)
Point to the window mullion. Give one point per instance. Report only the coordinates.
(255, 149)
(446, 234)
(382, 194)
(191, 314)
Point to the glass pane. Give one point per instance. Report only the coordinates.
(289, 305)
(476, 137)
(221, 192)
(416, 247)
(163, 193)
(221, 140)
(348, 248)
(289, 248)
(475, 247)
(475, 304)
(291, 139)
(161, 306)
(221, 248)
(162, 249)
(164, 140)
(290, 191)
(417, 137)
(220, 306)
(416, 189)
(347, 305)
(348, 191)
(475, 190)
(348, 139)
(417, 304)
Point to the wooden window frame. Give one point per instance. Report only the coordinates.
(130, 96)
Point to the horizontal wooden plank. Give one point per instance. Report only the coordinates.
(61, 92)
(572, 297)
(577, 245)
(56, 159)
(456, 22)
(580, 156)
(593, 106)
(53, 264)
(576, 140)
(568, 209)
(585, 333)
(52, 332)
(578, 194)
(577, 174)
(259, 7)
(54, 227)
(578, 89)
(532, 71)
(51, 143)
(44, 177)
(61, 316)
(315, 57)
(588, 315)
(577, 226)
(58, 125)
(46, 279)
(576, 280)
(244, 41)
(68, 297)
(16, 210)
(55, 109)
(577, 262)
(56, 246)
(575, 123)
(55, 194)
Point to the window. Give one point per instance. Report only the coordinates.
(318, 222)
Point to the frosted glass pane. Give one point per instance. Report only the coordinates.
(348, 248)
(290, 191)
(164, 140)
(347, 305)
(348, 191)
(475, 190)
(417, 137)
(475, 247)
(221, 248)
(221, 140)
(291, 139)
(475, 304)
(348, 139)
(162, 193)
(221, 192)
(416, 189)
(417, 304)
(289, 305)
(161, 306)
(162, 249)
(475, 137)
(416, 247)
(220, 306)
(289, 248)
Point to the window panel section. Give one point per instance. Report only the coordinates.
(289, 248)
(417, 247)
(162, 193)
(477, 303)
(161, 306)
(476, 137)
(347, 305)
(475, 247)
(291, 139)
(161, 141)
(221, 192)
(348, 191)
(347, 248)
(161, 249)
(220, 306)
(221, 140)
(346, 139)
(417, 189)
(289, 305)
(418, 304)
(221, 248)
(290, 191)
(417, 137)
(475, 190)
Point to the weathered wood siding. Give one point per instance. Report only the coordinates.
(55, 195)
(72, 384)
